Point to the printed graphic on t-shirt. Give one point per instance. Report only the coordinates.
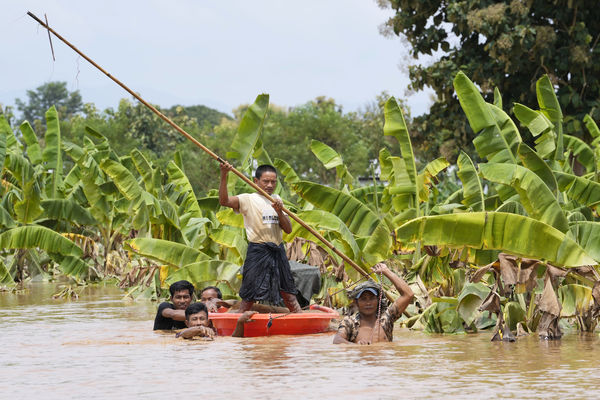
(269, 217)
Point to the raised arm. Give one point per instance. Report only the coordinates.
(406, 293)
(224, 198)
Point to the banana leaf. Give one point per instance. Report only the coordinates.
(167, 252)
(194, 231)
(469, 300)
(71, 266)
(5, 133)
(188, 199)
(498, 137)
(205, 273)
(52, 152)
(28, 208)
(35, 236)
(19, 167)
(369, 195)
(497, 98)
(324, 221)
(73, 178)
(122, 178)
(249, 130)
(550, 106)
(396, 126)
(67, 210)
(513, 314)
(587, 235)
(401, 192)
(231, 238)
(535, 196)
(538, 166)
(284, 168)
(513, 207)
(6, 220)
(540, 127)
(582, 190)
(591, 126)
(428, 176)
(231, 218)
(378, 246)
(330, 159)
(575, 299)
(34, 151)
(6, 279)
(144, 168)
(581, 151)
(511, 233)
(209, 203)
(472, 190)
(359, 218)
(99, 203)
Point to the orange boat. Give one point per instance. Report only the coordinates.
(281, 324)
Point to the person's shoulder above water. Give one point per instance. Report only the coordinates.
(164, 323)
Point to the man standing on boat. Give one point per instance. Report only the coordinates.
(267, 274)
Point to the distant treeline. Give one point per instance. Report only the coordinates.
(287, 132)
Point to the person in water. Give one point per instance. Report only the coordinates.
(363, 327)
(197, 322)
(172, 315)
(266, 271)
(210, 294)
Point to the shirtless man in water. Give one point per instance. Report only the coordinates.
(363, 327)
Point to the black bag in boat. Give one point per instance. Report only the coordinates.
(266, 271)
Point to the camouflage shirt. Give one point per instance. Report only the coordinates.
(351, 323)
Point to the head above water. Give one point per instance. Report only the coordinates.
(369, 286)
(196, 315)
(209, 293)
(181, 294)
(366, 297)
(266, 178)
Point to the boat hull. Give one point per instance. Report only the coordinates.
(281, 324)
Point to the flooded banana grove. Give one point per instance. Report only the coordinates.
(102, 346)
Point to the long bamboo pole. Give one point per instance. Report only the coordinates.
(200, 145)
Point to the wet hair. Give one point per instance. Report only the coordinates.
(195, 308)
(181, 285)
(264, 168)
(216, 289)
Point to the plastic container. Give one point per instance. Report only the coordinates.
(281, 324)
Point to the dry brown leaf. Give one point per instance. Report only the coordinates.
(508, 268)
(548, 302)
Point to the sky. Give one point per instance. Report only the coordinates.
(216, 53)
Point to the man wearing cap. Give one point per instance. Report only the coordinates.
(363, 327)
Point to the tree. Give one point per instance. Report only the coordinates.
(288, 134)
(504, 44)
(48, 95)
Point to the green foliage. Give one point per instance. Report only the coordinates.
(507, 45)
(46, 96)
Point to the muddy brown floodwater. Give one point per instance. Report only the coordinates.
(102, 346)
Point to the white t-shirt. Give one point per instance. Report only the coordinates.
(260, 218)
